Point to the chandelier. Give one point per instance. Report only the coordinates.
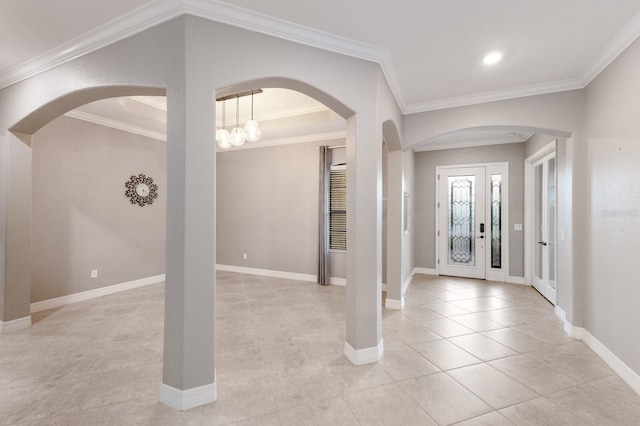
(239, 135)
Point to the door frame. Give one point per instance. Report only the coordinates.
(528, 210)
(491, 274)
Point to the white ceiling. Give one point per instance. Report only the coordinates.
(430, 50)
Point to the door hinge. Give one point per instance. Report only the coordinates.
(438, 261)
(438, 177)
(438, 233)
(438, 205)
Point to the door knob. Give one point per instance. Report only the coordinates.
(481, 236)
(542, 242)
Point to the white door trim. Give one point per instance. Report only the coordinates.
(528, 207)
(490, 274)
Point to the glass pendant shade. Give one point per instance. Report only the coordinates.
(253, 131)
(238, 136)
(223, 138)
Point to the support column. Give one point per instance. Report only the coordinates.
(15, 231)
(188, 374)
(364, 239)
(395, 200)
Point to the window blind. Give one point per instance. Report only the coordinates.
(338, 209)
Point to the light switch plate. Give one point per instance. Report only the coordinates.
(517, 227)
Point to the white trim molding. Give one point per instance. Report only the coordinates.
(394, 303)
(364, 356)
(516, 280)
(279, 274)
(189, 398)
(15, 325)
(424, 271)
(92, 294)
(623, 370)
(107, 122)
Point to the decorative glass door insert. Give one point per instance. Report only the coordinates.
(462, 217)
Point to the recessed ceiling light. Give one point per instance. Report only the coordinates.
(492, 58)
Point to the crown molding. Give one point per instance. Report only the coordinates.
(500, 95)
(114, 124)
(133, 22)
(622, 40)
(159, 11)
(151, 101)
(423, 147)
(317, 137)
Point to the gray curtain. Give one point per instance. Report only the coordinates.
(323, 216)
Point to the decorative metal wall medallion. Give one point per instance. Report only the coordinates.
(141, 190)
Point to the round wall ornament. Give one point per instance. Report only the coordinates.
(141, 190)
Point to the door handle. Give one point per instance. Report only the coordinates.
(481, 236)
(542, 242)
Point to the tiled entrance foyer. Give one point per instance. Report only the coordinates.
(461, 351)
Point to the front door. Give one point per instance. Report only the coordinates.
(544, 226)
(462, 227)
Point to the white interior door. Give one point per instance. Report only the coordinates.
(544, 226)
(461, 222)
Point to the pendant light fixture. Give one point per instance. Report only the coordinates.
(223, 138)
(238, 134)
(252, 127)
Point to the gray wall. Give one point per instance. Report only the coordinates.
(612, 138)
(267, 207)
(536, 142)
(425, 187)
(81, 218)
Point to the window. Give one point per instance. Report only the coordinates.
(338, 207)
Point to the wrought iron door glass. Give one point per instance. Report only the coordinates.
(461, 215)
(496, 221)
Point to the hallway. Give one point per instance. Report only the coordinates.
(461, 351)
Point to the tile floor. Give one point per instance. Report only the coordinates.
(461, 352)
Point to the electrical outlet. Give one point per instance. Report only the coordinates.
(244, 256)
(517, 227)
(94, 273)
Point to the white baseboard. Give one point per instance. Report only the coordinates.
(15, 325)
(279, 274)
(424, 271)
(628, 375)
(406, 283)
(623, 370)
(92, 294)
(516, 280)
(189, 398)
(394, 303)
(363, 356)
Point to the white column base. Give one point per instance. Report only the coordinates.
(363, 356)
(393, 303)
(15, 325)
(189, 398)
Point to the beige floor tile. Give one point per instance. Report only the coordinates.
(406, 363)
(482, 347)
(420, 313)
(495, 388)
(135, 412)
(446, 327)
(446, 308)
(385, 406)
(445, 355)
(515, 340)
(444, 399)
(549, 335)
(355, 378)
(574, 360)
(492, 419)
(303, 384)
(264, 420)
(533, 374)
(333, 411)
(476, 322)
(414, 334)
(238, 400)
(607, 401)
(542, 412)
(473, 305)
